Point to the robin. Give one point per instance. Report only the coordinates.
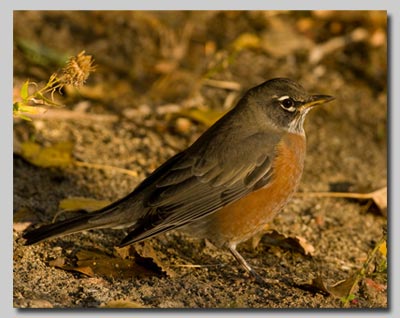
(226, 186)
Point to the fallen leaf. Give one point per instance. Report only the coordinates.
(148, 257)
(379, 197)
(58, 262)
(104, 265)
(95, 263)
(86, 270)
(316, 286)
(255, 240)
(344, 288)
(80, 203)
(123, 252)
(298, 244)
(57, 155)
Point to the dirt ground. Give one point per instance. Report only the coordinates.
(133, 113)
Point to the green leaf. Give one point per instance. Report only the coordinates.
(48, 101)
(347, 299)
(17, 111)
(23, 117)
(16, 106)
(25, 91)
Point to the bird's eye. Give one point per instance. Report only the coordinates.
(287, 103)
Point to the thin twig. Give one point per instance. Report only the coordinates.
(234, 86)
(73, 115)
(105, 167)
(363, 271)
(336, 195)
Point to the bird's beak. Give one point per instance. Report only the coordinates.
(315, 100)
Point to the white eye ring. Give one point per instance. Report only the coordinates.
(287, 103)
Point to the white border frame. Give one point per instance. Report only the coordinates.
(6, 167)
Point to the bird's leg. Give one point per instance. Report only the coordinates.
(246, 265)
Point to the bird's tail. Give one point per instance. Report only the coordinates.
(119, 214)
(72, 225)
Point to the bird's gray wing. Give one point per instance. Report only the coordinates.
(200, 182)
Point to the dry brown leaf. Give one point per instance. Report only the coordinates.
(147, 256)
(104, 265)
(58, 262)
(94, 263)
(379, 197)
(298, 244)
(123, 252)
(86, 270)
(255, 240)
(341, 289)
(316, 286)
(344, 288)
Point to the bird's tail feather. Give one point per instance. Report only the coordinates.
(120, 214)
(72, 225)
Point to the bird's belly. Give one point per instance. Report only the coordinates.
(246, 217)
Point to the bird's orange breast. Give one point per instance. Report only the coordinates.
(244, 218)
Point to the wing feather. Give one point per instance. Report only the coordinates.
(193, 187)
